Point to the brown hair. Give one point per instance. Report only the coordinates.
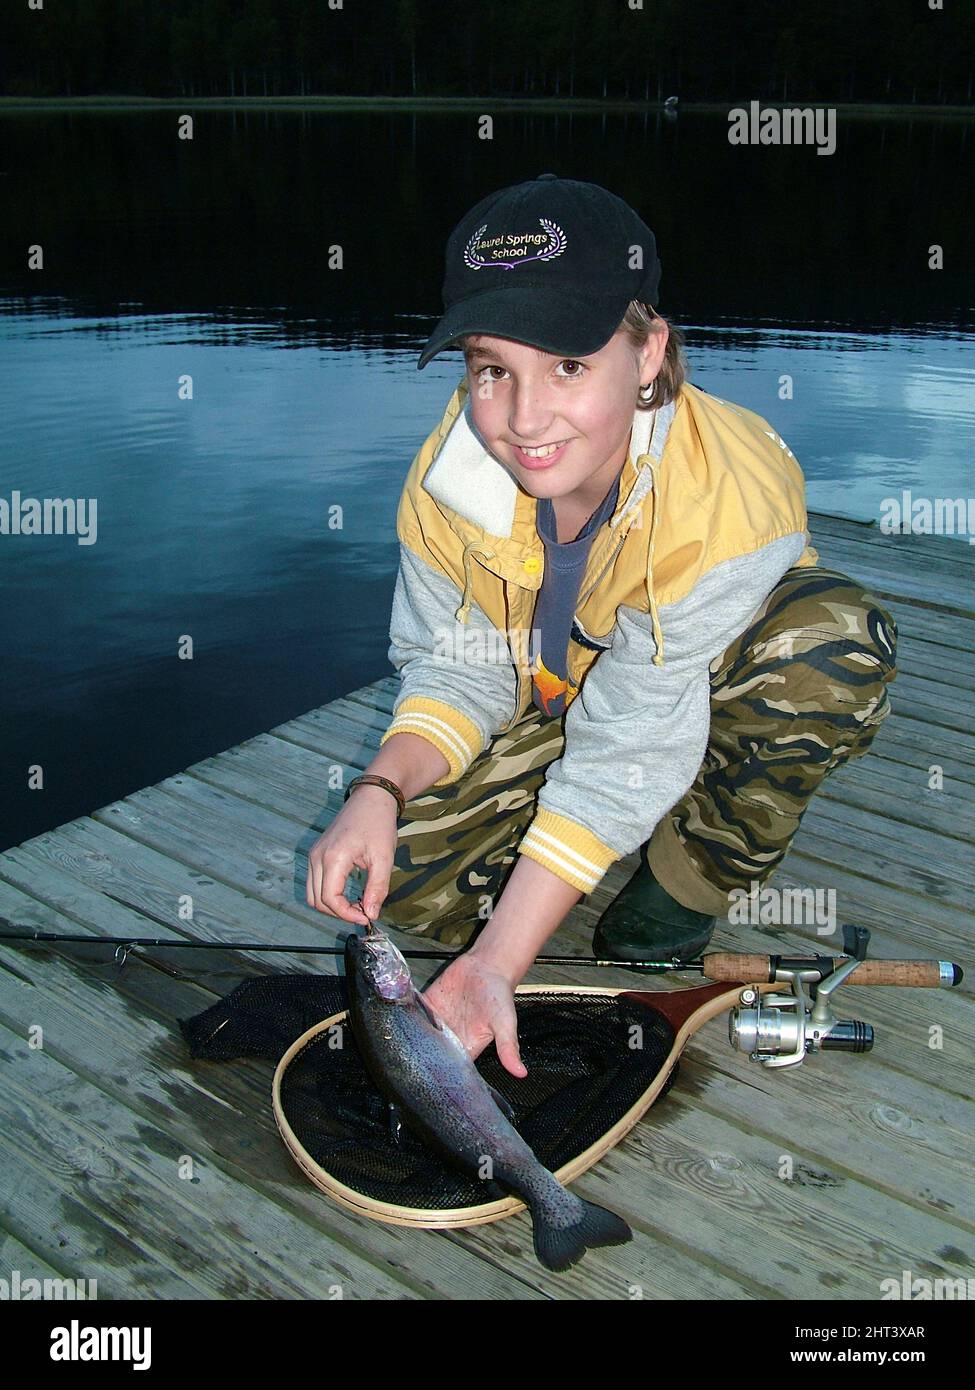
(638, 321)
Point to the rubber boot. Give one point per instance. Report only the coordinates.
(643, 922)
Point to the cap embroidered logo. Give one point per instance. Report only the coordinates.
(511, 250)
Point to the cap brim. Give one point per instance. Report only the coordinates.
(557, 323)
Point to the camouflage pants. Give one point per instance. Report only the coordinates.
(802, 690)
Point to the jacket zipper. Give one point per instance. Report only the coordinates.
(519, 678)
(522, 678)
(609, 560)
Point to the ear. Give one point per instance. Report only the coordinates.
(652, 352)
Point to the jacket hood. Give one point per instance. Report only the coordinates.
(705, 480)
(485, 503)
(495, 519)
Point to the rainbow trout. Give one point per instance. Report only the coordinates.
(423, 1068)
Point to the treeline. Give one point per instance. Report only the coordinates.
(700, 50)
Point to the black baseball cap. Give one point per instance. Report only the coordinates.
(548, 262)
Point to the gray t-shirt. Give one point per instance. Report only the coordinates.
(552, 622)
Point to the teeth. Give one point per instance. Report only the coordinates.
(543, 452)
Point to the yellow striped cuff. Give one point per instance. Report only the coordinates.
(568, 849)
(457, 737)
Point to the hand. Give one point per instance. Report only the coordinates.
(362, 835)
(476, 1000)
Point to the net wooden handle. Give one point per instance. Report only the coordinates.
(925, 974)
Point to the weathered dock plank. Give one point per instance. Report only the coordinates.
(743, 1183)
(219, 1115)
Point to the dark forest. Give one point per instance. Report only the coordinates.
(878, 51)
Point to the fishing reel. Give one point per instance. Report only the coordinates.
(779, 1030)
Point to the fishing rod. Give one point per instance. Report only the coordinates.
(128, 942)
(774, 1029)
(716, 965)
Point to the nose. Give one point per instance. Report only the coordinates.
(530, 417)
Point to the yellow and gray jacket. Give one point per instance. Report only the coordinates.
(710, 514)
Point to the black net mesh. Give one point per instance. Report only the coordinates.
(589, 1059)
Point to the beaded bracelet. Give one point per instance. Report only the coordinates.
(371, 779)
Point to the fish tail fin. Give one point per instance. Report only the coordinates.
(559, 1247)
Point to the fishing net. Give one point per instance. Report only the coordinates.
(590, 1058)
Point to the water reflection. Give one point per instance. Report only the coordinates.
(258, 517)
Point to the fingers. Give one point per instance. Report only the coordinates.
(328, 870)
(506, 1041)
(337, 868)
(479, 1006)
(377, 884)
(313, 883)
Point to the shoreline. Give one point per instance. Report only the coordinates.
(555, 105)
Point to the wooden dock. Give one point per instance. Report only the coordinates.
(98, 1123)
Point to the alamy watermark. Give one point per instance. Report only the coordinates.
(77, 1343)
(908, 515)
(18, 1289)
(787, 125)
(764, 907)
(480, 646)
(926, 1290)
(50, 516)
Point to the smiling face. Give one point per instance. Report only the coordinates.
(524, 399)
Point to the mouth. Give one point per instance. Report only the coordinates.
(543, 456)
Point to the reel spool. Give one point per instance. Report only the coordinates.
(780, 1029)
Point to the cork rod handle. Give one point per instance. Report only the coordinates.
(917, 974)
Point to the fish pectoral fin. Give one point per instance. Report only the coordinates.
(505, 1106)
(429, 1011)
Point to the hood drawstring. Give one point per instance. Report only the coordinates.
(463, 612)
(647, 461)
(658, 636)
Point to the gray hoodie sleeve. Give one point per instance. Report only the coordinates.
(458, 683)
(636, 734)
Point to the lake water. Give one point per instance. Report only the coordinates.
(165, 258)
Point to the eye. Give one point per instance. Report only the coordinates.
(571, 361)
(480, 373)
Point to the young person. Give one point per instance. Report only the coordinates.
(611, 629)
